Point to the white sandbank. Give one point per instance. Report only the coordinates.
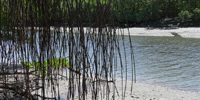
(186, 32)
(190, 32)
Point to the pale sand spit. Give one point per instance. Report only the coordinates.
(190, 32)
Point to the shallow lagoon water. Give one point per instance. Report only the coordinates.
(167, 61)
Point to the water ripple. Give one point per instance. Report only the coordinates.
(168, 61)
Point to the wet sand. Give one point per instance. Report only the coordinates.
(140, 91)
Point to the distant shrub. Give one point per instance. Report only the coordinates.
(196, 12)
(185, 15)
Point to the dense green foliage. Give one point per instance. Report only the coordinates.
(185, 15)
(154, 10)
(134, 12)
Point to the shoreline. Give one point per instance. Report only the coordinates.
(141, 91)
(190, 32)
(184, 32)
(147, 91)
(169, 86)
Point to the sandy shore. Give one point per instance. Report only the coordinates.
(152, 92)
(140, 92)
(190, 32)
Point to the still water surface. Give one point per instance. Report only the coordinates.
(168, 61)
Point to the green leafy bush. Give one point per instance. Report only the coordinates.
(53, 63)
(185, 15)
(196, 14)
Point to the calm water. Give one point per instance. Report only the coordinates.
(168, 61)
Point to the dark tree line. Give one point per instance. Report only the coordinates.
(144, 11)
(133, 11)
